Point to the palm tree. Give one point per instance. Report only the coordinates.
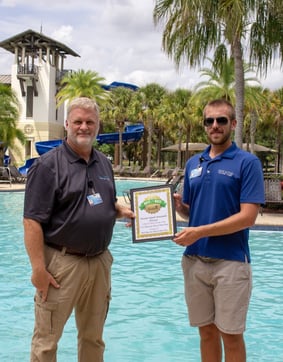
(145, 106)
(175, 118)
(9, 114)
(220, 83)
(279, 127)
(117, 109)
(255, 98)
(82, 84)
(194, 29)
(275, 112)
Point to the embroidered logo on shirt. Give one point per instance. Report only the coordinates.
(226, 173)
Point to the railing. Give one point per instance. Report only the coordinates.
(28, 70)
(273, 183)
(60, 74)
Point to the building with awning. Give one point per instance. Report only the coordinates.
(191, 146)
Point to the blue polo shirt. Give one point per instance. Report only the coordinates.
(214, 189)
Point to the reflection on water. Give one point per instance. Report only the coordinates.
(147, 321)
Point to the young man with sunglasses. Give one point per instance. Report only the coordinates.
(223, 190)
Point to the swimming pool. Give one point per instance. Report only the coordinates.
(127, 184)
(147, 321)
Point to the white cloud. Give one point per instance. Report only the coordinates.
(116, 38)
(63, 34)
(8, 3)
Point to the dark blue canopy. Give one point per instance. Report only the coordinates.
(120, 84)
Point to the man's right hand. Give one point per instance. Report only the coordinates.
(41, 279)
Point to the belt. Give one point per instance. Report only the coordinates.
(204, 259)
(69, 251)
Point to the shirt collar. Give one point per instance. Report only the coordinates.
(229, 153)
(73, 157)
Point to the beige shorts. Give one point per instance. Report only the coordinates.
(217, 292)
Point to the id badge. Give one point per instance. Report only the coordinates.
(196, 172)
(94, 199)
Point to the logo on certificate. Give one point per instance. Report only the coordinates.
(152, 204)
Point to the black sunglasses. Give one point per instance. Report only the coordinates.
(221, 121)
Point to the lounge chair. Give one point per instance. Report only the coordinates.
(118, 170)
(177, 182)
(16, 175)
(146, 172)
(135, 171)
(127, 196)
(156, 173)
(165, 173)
(5, 175)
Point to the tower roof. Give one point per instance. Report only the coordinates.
(32, 41)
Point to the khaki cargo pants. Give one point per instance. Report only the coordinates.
(85, 287)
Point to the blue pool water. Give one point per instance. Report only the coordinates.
(127, 184)
(147, 321)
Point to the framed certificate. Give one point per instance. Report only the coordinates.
(155, 213)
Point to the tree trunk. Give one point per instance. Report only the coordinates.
(1, 157)
(120, 129)
(159, 145)
(188, 139)
(253, 130)
(239, 90)
(145, 148)
(120, 148)
(279, 164)
(149, 143)
(179, 148)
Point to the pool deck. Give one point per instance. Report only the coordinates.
(265, 220)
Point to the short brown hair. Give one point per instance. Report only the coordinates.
(221, 102)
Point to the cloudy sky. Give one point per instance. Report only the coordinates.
(116, 38)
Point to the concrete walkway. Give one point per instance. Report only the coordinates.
(264, 219)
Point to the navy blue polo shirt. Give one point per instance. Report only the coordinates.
(58, 184)
(214, 189)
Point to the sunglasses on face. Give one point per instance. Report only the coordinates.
(221, 121)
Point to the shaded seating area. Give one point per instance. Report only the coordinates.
(118, 170)
(169, 172)
(5, 175)
(148, 172)
(132, 171)
(16, 176)
(10, 174)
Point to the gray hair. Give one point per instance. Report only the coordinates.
(84, 103)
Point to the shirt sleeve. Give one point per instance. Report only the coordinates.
(40, 193)
(252, 189)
